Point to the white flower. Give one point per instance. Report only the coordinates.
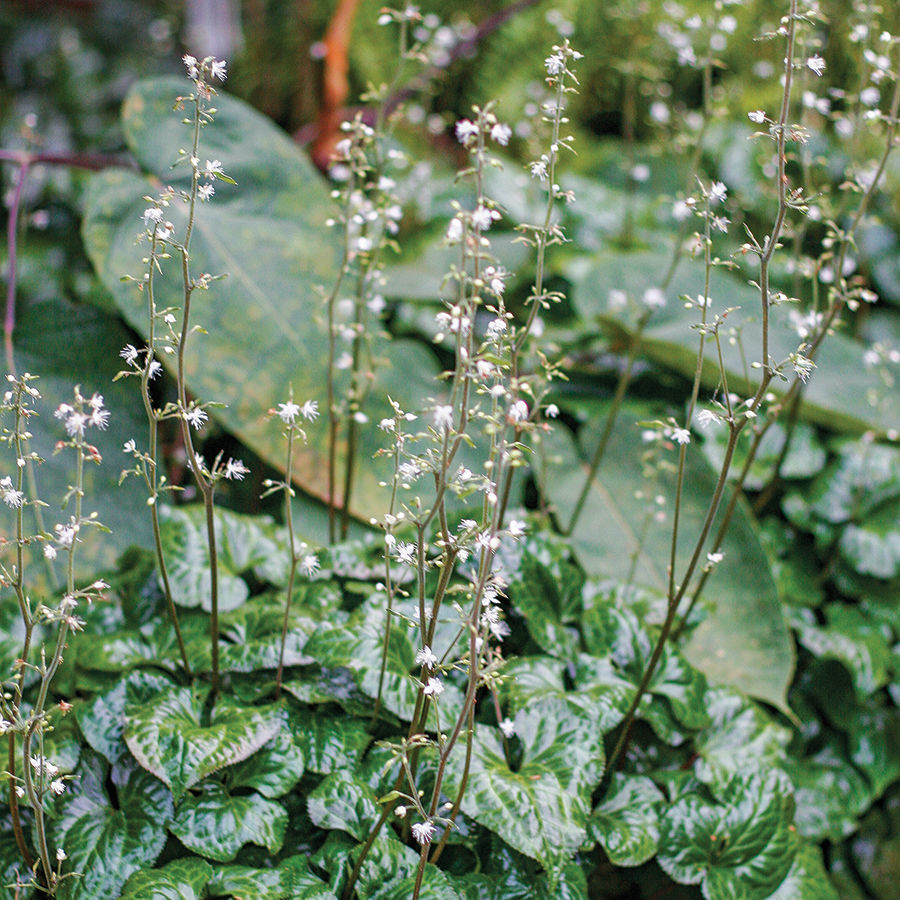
(423, 832)
(217, 69)
(715, 558)
(501, 133)
(508, 727)
(454, 231)
(681, 435)
(482, 218)
(235, 470)
(213, 168)
(706, 417)
(555, 64)
(552, 411)
(816, 64)
(426, 657)
(190, 63)
(151, 217)
(11, 497)
(516, 528)
(310, 410)
(496, 327)
(803, 366)
(443, 418)
(717, 192)
(58, 787)
(433, 688)
(49, 551)
(405, 553)
(195, 417)
(309, 565)
(154, 368)
(287, 412)
(466, 132)
(205, 191)
(654, 298)
(60, 855)
(539, 168)
(758, 116)
(518, 412)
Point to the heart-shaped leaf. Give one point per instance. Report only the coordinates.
(217, 824)
(165, 734)
(105, 844)
(341, 801)
(741, 844)
(807, 878)
(541, 807)
(181, 879)
(626, 823)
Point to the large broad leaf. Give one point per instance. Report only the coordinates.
(165, 733)
(743, 641)
(66, 346)
(264, 321)
(739, 846)
(626, 823)
(217, 824)
(107, 843)
(842, 393)
(540, 807)
(181, 879)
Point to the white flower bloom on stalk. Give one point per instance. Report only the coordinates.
(758, 116)
(518, 412)
(654, 298)
(129, 354)
(706, 417)
(454, 231)
(309, 565)
(310, 410)
(466, 132)
(213, 168)
(501, 133)
(717, 192)
(443, 418)
(508, 727)
(555, 64)
(426, 657)
(205, 191)
(423, 832)
(434, 687)
(816, 64)
(681, 436)
(516, 529)
(287, 412)
(196, 417)
(217, 69)
(11, 497)
(235, 470)
(540, 167)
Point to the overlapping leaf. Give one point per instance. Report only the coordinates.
(181, 879)
(626, 823)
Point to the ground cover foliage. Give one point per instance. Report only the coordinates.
(351, 706)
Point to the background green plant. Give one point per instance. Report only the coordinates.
(824, 547)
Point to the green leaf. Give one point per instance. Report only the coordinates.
(268, 235)
(358, 646)
(181, 879)
(164, 733)
(740, 737)
(436, 885)
(851, 638)
(70, 345)
(153, 643)
(106, 844)
(626, 823)
(274, 770)
(292, 880)
(541, 807)
(328, 743)
(743, 641)
(805, 456)
(341, 801)
(740, 845)
(216, 824)
(807, 878)
(242, 542)
(675, 700)
(842, 392)
(549, 596)
(830, 794)
(874, 745)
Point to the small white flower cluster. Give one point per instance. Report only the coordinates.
(82, 414)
